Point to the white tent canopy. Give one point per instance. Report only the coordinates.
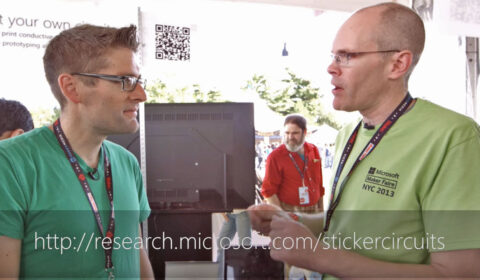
(321, 135)
(346, 6)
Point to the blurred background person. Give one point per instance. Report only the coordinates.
(15, 119)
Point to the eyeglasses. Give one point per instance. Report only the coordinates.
(128, 82)
(343, 58)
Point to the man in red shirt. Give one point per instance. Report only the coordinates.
(293, 176)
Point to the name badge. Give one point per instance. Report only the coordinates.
(303, 195)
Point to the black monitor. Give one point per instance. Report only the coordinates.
(199, 156)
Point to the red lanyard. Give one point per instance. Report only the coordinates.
(67, 148)
(371, 145)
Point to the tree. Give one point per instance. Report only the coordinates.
(158, 92)
(42, 117)
(297, 95)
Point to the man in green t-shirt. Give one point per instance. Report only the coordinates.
(406, 192)
(71, 203)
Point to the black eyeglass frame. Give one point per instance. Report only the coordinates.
(116, 78)
(346, 56)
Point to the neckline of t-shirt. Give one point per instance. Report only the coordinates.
(52, 140)
(371, 131)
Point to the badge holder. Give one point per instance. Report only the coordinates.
(303, 194)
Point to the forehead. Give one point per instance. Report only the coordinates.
(356, 34)
(121, 61)
(291, 127)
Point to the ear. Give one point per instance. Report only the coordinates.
(5, 135)
(11, 133)
(402, 61)
(69, 87)
(17, 132)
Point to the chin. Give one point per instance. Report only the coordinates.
(341, 107)
(293, 148)
(336, 104)
(126, 128)
(133, 128)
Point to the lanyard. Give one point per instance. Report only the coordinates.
(305, 162)
(371, 145)
(67, 149)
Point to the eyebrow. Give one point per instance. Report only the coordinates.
(342, 51)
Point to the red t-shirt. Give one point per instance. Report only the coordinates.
(283, 179)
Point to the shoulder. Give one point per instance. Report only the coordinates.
(279, 151)
(310, 146)
(441, 122)
(34, 142)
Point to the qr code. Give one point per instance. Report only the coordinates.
(172, 42)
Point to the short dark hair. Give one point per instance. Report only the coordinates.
(14, 115)
(82, 49)
(297, 119)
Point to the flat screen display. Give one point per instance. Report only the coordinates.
(199, 156)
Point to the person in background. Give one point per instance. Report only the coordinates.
(259, 153)
(15, 119)
(293, 175)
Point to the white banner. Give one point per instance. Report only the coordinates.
(25, 29)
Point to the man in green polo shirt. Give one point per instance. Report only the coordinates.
(406, 192)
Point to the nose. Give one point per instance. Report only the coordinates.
(333, 69)
(138, 94)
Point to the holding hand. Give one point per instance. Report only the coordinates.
(261, 216)
(292, 242)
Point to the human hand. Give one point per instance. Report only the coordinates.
(292, 242)
(261, 216)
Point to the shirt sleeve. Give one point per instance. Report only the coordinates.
(13, 203)
(272, 179)
(142, 195)
(451, 209)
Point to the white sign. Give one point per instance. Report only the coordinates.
(25, 29)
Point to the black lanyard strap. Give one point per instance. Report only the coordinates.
(305, 162)
(67, 149)
(371, 145)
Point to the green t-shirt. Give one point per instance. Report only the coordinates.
(43, 203)
(418, 192)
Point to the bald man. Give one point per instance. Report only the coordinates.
(406, 192)
(15, 119)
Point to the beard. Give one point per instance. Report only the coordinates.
(294, 147)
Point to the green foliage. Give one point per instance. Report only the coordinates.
(328, 119)
(296, 95)
(43, 117)
(158, 92)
